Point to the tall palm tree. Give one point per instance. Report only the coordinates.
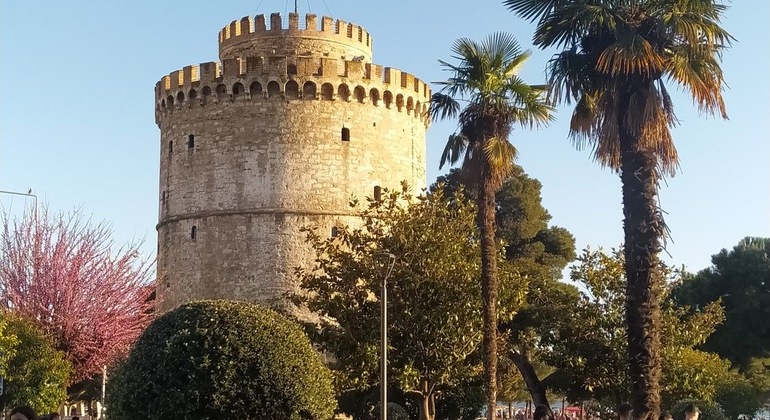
(486, 82)
(616, 56)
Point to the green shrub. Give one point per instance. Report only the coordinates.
(34, 372)
(221, 359)
(708, 411)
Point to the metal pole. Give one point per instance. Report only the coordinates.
(104, 390)
(29, 194)
(384, 351)
(388, 260)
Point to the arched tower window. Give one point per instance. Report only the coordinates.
(221, 92)
(193, 94)
(206, 94)
(308, 90)
(273, 89)
(170, 101)
(343, 92)
(335, 231)
(237, 89)
(360, 93)
(417, 109)
(374, 96)
(255, 89)
(327, 91)
(191, 141)
(292, 89)
(180, 97)
(345, 134)
(399, 102)
(388, 98)
(409, 105)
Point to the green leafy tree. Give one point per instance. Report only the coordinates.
(740, 280)
(434, 302)
(34, 372)
(486, 80)
(588, 347)
(741, 395)
(221, 359)
(617, 55)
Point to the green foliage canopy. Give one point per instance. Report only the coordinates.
(221, 359)
(740, 280)
(35, 373)
(434, 300)
(590, 346)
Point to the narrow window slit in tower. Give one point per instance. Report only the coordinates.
(191, 141)
(193, 232)
(377, 193)
(170, 147)
(345, 134)
(163, 198)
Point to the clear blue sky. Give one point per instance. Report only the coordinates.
(77, 125)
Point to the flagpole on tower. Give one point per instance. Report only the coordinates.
(295, 7)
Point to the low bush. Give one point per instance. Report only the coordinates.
(221, 359)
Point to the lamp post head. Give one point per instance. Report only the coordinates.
(385, 261)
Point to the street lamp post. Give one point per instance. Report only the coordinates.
(386, 261)
(29, 194)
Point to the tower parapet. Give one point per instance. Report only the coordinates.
(255, 37)
(301, 78)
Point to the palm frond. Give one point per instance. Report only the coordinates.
(630, 54)
(696, 68)
(455, 148)
(443, 106)
(533, 10)
(499, 155)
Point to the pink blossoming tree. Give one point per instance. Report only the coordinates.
(92, 298)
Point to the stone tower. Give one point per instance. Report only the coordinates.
(280, 134)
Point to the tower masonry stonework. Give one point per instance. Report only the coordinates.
(290, 125)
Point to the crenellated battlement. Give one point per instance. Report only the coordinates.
(334, 38)
(300, 78)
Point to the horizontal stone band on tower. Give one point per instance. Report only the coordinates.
(253, 211)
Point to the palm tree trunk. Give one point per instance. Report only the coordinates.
(643, 227)
(486, 223)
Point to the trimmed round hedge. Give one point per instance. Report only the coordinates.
(221, 359)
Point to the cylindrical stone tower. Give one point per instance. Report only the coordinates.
(282, 134)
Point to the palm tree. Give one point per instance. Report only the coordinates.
(616, 56)
(486, 81)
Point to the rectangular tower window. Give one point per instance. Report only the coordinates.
(377, 193)
(345, 134)
(193, 232)
(170, 147)
(335, 231)
(191, 141)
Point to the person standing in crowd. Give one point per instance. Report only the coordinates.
(23, 412)
(624, 411)
(691, 412)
